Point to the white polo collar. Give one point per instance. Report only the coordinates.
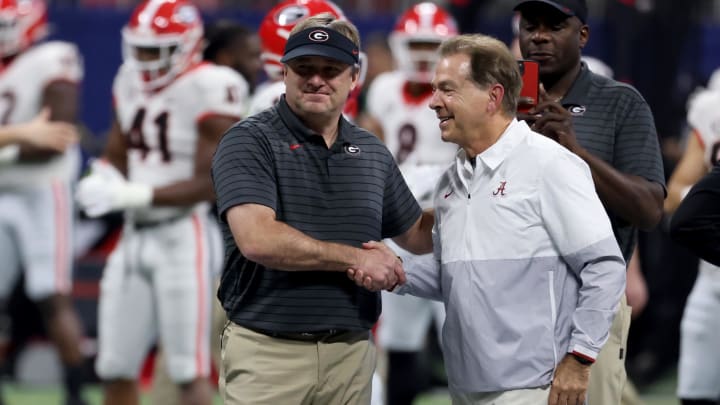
(493, 156)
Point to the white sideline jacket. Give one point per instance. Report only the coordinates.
(525, 261)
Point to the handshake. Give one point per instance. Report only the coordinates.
(378, 268)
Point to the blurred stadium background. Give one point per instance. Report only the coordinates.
(665, 48)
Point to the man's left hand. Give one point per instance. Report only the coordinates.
(570, 383)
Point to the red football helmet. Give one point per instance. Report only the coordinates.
(424, 23)
(276, 26)
(22, 23)
(172, 29)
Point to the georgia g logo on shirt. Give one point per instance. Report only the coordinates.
(351, 149)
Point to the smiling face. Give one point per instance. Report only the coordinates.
(551, 38)
(460, 104)
(318, 85)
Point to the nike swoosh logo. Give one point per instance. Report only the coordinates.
(295, 146)
(448, 194)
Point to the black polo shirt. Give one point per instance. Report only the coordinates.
(350, 193)
(613, 122)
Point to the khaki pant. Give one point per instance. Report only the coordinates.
(607, 375)
(514, 397)
(258, 369)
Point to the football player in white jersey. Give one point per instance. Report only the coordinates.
(36, 211)
(699, 363)
(397, 102)
(170, 111)
(227, 44)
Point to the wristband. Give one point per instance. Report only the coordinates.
(582, 359)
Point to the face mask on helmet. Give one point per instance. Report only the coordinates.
(162, 40)
(416, 37)
(22, 23)
(276, 26)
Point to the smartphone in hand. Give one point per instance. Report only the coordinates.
(530, 92)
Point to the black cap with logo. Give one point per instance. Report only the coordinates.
(576, 8)
(321, 41)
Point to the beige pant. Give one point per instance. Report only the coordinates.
(532, 396)
(258, 369)
(607, 375)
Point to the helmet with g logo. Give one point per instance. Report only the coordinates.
(171, 28)
(276, 26)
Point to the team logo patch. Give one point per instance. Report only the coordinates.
(577, 110)
(352, 149)
(318, 36)
(500, 190)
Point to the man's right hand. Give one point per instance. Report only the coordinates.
(525, 107)
(379, 268)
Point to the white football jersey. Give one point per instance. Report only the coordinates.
(266, 96)
(162, 127)
(704, 117)
(22, 84)
(412, 133)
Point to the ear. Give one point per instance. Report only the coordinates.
(355, 77)
(496, 95)
(584, 35)
(284, 71)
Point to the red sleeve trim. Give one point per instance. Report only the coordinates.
(696, 134)
(208, 115)
(582, 356)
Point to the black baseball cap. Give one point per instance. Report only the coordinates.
(321, 41)
(576, 8)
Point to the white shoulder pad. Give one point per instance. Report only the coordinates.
(221, 90)
(266, 97)
(55, 60)
(377, 97)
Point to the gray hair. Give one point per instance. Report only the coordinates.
(491, 62)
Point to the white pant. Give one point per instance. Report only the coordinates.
(157, 282)
(532, 396)
(36, 235)
(699, 365)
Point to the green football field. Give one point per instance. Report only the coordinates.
(661, 393)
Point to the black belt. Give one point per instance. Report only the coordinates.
(316, 336)
(140, 225)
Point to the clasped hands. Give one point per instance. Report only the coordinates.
(378, 268)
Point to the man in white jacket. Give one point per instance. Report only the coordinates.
(524, 256)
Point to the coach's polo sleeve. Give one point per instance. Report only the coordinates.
(423, 273)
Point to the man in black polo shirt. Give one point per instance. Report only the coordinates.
(610, 126)
(695, 223)
(299, 190)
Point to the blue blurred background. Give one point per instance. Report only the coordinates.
(95, 28)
